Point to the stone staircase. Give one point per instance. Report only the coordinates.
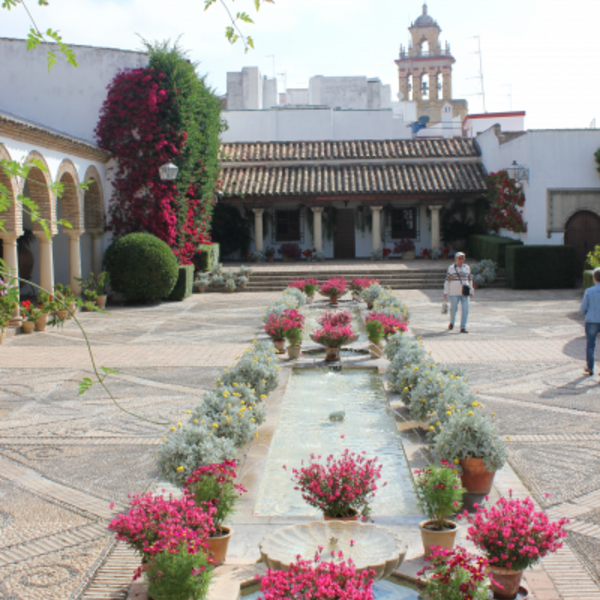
(408, 279)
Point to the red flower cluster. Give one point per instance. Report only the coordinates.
(513, 535)
(333, 336)
(278, 324)
(318, 581)
(505, 201)
(336, 318)
(309, 252)
(390, 325)
(386, 252)
(335, 286)
(358, 284)
(341, 485)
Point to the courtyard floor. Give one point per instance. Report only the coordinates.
(64, 458)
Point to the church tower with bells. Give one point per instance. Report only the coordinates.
(425, 71)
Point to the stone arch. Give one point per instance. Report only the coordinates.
(93, 209)
(39, 183)
(71, 197)
(13, 217)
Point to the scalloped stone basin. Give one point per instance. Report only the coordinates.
(372, 547)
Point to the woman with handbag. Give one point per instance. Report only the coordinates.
(459, 286)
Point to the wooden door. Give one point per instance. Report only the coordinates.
(344, 244)
(583, 232)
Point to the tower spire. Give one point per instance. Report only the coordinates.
(424, 8)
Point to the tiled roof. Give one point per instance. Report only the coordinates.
(369, 178)
(360, 149)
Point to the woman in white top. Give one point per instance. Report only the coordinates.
(459, 286)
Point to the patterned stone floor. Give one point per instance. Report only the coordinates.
(65, 457)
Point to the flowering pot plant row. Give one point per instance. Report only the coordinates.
(284, 322)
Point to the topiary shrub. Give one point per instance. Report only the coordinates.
(491, 247)
(184, 285)
(207, 257)
(141, 267)
(540, 267)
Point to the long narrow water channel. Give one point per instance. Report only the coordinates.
(304, 427)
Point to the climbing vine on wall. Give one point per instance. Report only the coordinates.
(151, 116)
(506, 200)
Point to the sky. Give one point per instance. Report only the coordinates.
(540, 56)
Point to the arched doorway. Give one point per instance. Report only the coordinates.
(93, 212)
(583, 232)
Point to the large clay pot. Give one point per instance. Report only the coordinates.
(475, 478)
(101, 302)
(217, 546)
(409, 255)
(355, 516)
(280, 346)
(28, 326)
(444, 538)
(334, 300)
(40, 324)
(200, 289)
(62, 314)
(294, 351)
(332, 354)
(509, 580)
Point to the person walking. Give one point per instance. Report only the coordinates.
(459, 286)
(590, 307)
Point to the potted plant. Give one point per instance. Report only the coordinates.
(406, 248)
(47, 305)
(293, 323)
(370, 294)
(436, 254)
(426, 253)
(340, 487)
(483, 272)
(202, 283)
(242, 281)
(9, 301)
(290, 252)
(359, 284)
(471, 440)
(333, 289)
(230, 285)
(335, 318)
(319, 256)
(445, 251)
(274, 327)
(455, 575)
(214, 485)
(385, 253)
(65, 301)
(513, 536)
(375, 335)
(440, 494)
(377, 254)
(333, 338)
(31, 313)
(269, 254)
(308, 253)
(92, 290)
(318, 581)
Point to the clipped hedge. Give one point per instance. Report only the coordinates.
(492, 247)
(588, 280)
(184, 285)
(207, 258)
(540, 267)
(141, 267)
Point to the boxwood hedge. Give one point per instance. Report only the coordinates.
(540, 267)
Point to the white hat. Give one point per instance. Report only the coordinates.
(459, 254)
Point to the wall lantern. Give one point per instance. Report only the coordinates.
(518, 172)
(168, 171)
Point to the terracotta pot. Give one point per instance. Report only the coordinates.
(28, 326)
(270, 258)
(475, 478)
(509, 580)
(101, 302)
(443, 538)
(217, 546)
(310, 299)
(355, 516)
(409, 255)
(444, 255)
(200, 289)
(88, 308)
(62, 314)
(294, 351)
(280, 345)
(40, 324)
(332, 354)
(333, 300)
(376, 349)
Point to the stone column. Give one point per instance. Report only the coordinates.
(258, 228)
(433, 86)
(447, 85)
(417, 83)
(317, 227)
(376, 228)
(11, 258)
(96, 252)
(75, 259)
(435, 226)
(46, 262)
(404, 87)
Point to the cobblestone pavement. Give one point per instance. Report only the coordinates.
(64, 457)
(524, 354)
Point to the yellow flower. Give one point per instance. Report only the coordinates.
(201, 422)
(475, 403)
(278, 368)
(456, 461)
(508, 439)
(416, 369)
(424, 400)
(216, 425)
(229, 405)
(431, 427)
(224, 412)
(172, 428)
(256, 434)
(264, 381)
(234, 384)
(438, 423)
(188, 412)
(252, 420)
(243, 409)
(254, 341)
(405, 389)
(449, 412)
(195, 420)
(228, 419)
(263, 397)
(470, 412)
(164, 439)
(179, 469)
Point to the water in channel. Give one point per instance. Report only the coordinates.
(304, 428)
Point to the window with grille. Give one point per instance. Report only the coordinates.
(404, 223)
(288, 225)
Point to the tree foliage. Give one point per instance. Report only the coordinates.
(506, 200)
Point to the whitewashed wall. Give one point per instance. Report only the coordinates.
(66, 99)
(557, 159)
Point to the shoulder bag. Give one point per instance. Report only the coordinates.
(466, 290)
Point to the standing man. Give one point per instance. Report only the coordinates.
(459, 286)
(590, 307)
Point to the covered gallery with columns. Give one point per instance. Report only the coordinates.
(349, 198)
(65, 254)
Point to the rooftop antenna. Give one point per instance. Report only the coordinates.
(482, 93)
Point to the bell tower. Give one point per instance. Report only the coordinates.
(425, 70)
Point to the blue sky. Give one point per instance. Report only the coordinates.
(538, 56)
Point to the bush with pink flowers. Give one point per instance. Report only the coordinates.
(332, 336)
(277, 325)
(389, 324)
(358, 284)
(316, 580)
(335, 318)
(513, 535)
(336, 286)
(340, 487)
(308, 286)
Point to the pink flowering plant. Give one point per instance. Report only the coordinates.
(332, 336)
(513, 535)
(389, 323)
(276, 324)
(336, 286)
(308, 286)
(335, 318)
(293, 325)
(340, 487)
(316, 580)
(358, 284)
(455, 575)
(155, 524)
(440, 493)
(214, 486)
